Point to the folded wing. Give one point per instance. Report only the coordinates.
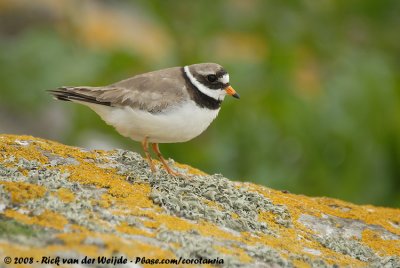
(152, 92)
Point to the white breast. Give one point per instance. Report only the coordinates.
(178, 124)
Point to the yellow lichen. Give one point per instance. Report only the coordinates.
(296, 238)
(51, 219)
(125, 198)
(22, 191)
(205, 228)
(10, 146)
(127, 229)
(383, 247)
(151, 224)
(213, 204)
(128, 194)
(114, 243)
(300, 264)
(75, 228)
(65, 195)
(234, 215)
(47, 219)
(209, 229)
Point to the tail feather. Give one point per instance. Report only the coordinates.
(75, 94)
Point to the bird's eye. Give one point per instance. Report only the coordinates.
(211, 78)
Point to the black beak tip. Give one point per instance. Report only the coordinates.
(236, 96)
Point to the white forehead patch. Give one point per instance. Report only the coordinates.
(224, 79)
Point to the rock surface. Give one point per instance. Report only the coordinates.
(57, 200)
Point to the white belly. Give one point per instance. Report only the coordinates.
(179, 124)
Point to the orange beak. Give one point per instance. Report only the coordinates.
(230, 91)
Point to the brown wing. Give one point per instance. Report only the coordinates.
(152, 92)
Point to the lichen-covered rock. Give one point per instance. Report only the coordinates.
(57, 200)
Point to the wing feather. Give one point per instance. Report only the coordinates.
(152, 92)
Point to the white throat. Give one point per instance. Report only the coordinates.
(217, 94)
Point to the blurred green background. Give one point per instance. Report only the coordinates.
(319, 81)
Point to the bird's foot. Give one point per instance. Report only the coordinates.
(172, 172)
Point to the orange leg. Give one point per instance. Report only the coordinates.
(145, 145)
(167, 168)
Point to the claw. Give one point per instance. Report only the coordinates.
(165, 164)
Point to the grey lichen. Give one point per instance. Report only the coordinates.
(344, 235)
(185, 197)
(332, 226)
(349, 247)
(193, 245)
(233, 208)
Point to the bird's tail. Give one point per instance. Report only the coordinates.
(78, 94)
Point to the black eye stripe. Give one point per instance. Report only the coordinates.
(212, 78)
(216, 85)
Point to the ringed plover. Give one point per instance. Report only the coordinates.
(166, 106)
